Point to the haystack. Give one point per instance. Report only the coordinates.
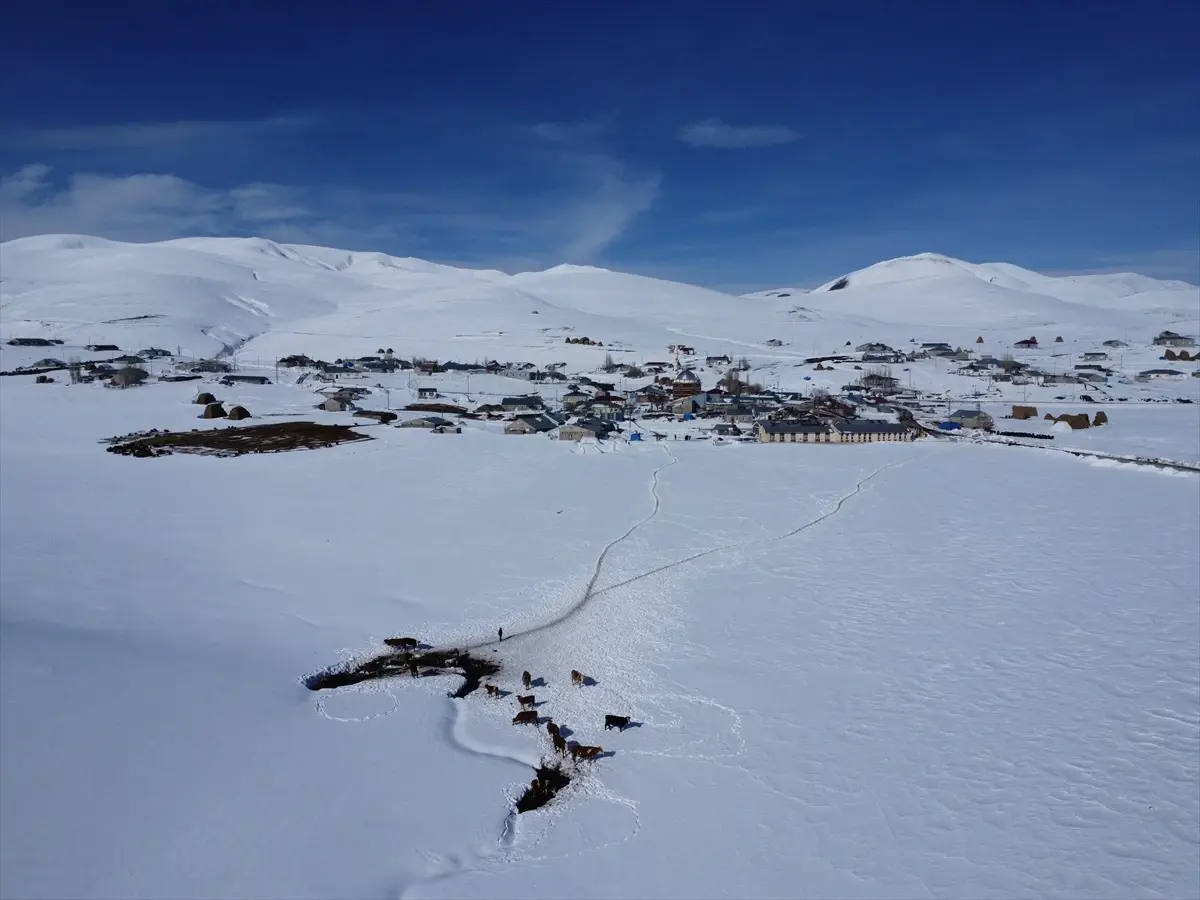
(1049, 417)
(204, 398)
(238, 412)
(1100, 419)
(1058, 340)
(213, 411)
(1024, 412)
(1171, 354)
(979, 340)
(1077, 421)
(1185, 356)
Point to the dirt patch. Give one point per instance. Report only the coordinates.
(270, 438)
(405, 662)
(549, 780)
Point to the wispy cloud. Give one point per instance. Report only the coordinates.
(147, 135)
(578, 132)
(574, 221)
(150, 207)
(715, 133)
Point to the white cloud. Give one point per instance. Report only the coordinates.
(715, 133)
(147, 135)
(605, 210)
(573, 222)
(576, 132)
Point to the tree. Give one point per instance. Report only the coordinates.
(610, 364)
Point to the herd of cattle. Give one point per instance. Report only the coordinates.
(528, 715)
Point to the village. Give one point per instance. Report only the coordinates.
(685, 396)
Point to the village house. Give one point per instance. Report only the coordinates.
(535, 424)
(793, 432)
(335, 404)
(971, 418)
(874, 347)
(1027, 344)
(427, 422)
(726, 429)
(1158, 374)
(572, 399)
(1171, 339)
(712, 361)
(521, 405)
(1115, 343)
(861, 431)
(230, 380)
(883, 357)
(102, 348)
(606, 409)
(427, 393)
(578, 431)
(1094, 356)
(31, 342)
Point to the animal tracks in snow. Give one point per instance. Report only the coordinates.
(679, 725)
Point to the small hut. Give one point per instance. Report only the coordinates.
(239, 412)
(334, 404)
(979, 340)
(1024, 412)
(213, 411)
(43, 379)
(204, 398)
(1101, 418)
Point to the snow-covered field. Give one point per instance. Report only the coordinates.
(883, 670)
(931, 669)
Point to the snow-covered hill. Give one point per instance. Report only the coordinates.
(205, 295)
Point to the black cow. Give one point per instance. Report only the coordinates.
(615, 722)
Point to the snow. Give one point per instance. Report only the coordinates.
(936, 669)
(270, 300)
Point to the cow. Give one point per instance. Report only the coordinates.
(492, 690)
(412, 669)
(552, 728)
(528, 701)
(576, 677)
(404, 643)
(526, 679)
(560, 744)
(580, 751)
(527, 717)
(615, 722)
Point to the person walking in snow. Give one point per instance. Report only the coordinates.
(501, 633)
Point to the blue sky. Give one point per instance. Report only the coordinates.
(735, 145)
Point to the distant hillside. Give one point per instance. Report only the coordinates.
(210, 295)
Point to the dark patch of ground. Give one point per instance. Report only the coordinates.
(549, 780)
(236, 441)
(393, 663)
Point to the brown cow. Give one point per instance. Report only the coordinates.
(576, 677)
(412, 669)
(492, 690)
(526, 679)
(552, 728)
(528, 717)
(580, 751)
(560, 744)
(528, 701)
(615, 722)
